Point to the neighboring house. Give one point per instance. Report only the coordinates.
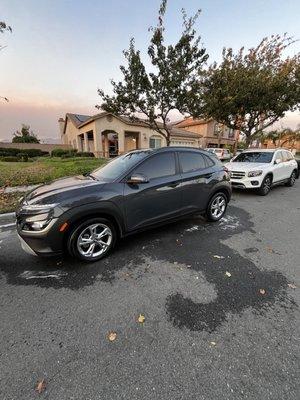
(213, 134)
(107, 135)
(285, 142)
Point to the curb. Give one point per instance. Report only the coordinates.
(7, 215)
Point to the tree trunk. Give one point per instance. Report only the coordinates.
(248, 140)
(168, 139)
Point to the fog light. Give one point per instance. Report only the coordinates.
(254, 183)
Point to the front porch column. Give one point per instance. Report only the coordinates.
(86, 142)
(121, 142)
(98, 150)
(78, 143)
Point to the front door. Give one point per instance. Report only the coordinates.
(156, 200)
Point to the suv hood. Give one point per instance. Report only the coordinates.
(245, 166)
(59, 186)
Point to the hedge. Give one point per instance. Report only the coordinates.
(63, 152)
(4, 152)
(85, 154)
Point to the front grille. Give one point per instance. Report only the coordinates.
(237, 174)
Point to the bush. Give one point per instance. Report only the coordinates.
(23, 157)
(62, 152)
(85, 154)
(30, 152)
(10, 159)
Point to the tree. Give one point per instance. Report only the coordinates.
(171, 82)
(284, 137)
(249, 91)
(4, 28)
(25, 136)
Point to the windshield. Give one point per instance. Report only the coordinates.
(254, 157)
(119, 165)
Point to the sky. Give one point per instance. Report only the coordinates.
(61, 51)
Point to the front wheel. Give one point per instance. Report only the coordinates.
(92, 240)
(216, 207)
(265, 186)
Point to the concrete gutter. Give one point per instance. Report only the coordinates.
(7, 221)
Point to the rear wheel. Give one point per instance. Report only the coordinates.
(92, 240)
(292, 179)
(265, 186)
(216, 207)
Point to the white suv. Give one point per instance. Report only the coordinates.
(263, 168)
(222, 154)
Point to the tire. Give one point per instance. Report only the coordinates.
(265, 186)
(292, 179)
(93, 247)
(213, 207)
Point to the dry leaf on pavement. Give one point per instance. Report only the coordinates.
(40, 386)
(262, 291)
(111, 336)
(228, 274)
(141, 319)
(292, 286)
(219, 257)
(213, 343)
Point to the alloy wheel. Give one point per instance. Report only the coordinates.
(94, 240)
(218, 207)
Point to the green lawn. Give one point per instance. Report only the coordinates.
(45, 169)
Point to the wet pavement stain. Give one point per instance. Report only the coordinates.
(192, 242)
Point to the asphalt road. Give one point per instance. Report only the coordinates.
(223, 327)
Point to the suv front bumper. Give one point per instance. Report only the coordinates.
(247, 182)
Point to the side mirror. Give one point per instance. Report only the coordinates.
(277, 161)
(136, 179)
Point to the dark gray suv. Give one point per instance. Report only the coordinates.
(85, 215)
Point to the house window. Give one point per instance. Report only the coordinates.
(155, 142)
(218, 129)
(231, 133)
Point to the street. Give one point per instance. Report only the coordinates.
(221, 306)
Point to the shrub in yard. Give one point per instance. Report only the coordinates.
(85, 154)
(30, 152)
(63, 152)
(10, 159)
(23, 157)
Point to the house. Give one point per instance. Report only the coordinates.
(286, 142)
(108, 135)
(211, 132)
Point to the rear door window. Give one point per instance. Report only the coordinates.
(191, 162)
(158, 166)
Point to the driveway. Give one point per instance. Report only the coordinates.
(221, 306)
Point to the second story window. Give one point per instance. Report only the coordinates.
(218, 129)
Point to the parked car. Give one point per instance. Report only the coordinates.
(222, 154)
(85, 215)
(261, 169)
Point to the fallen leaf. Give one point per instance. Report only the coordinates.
(40, 386)
(228, 274)
(219, 257)
(213, 343)
(292, 286)
(112, 336)
(141, 319)
(262, 291)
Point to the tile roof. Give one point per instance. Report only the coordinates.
(81, 120)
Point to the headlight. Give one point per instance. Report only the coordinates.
(38, 207)
(255, 173)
